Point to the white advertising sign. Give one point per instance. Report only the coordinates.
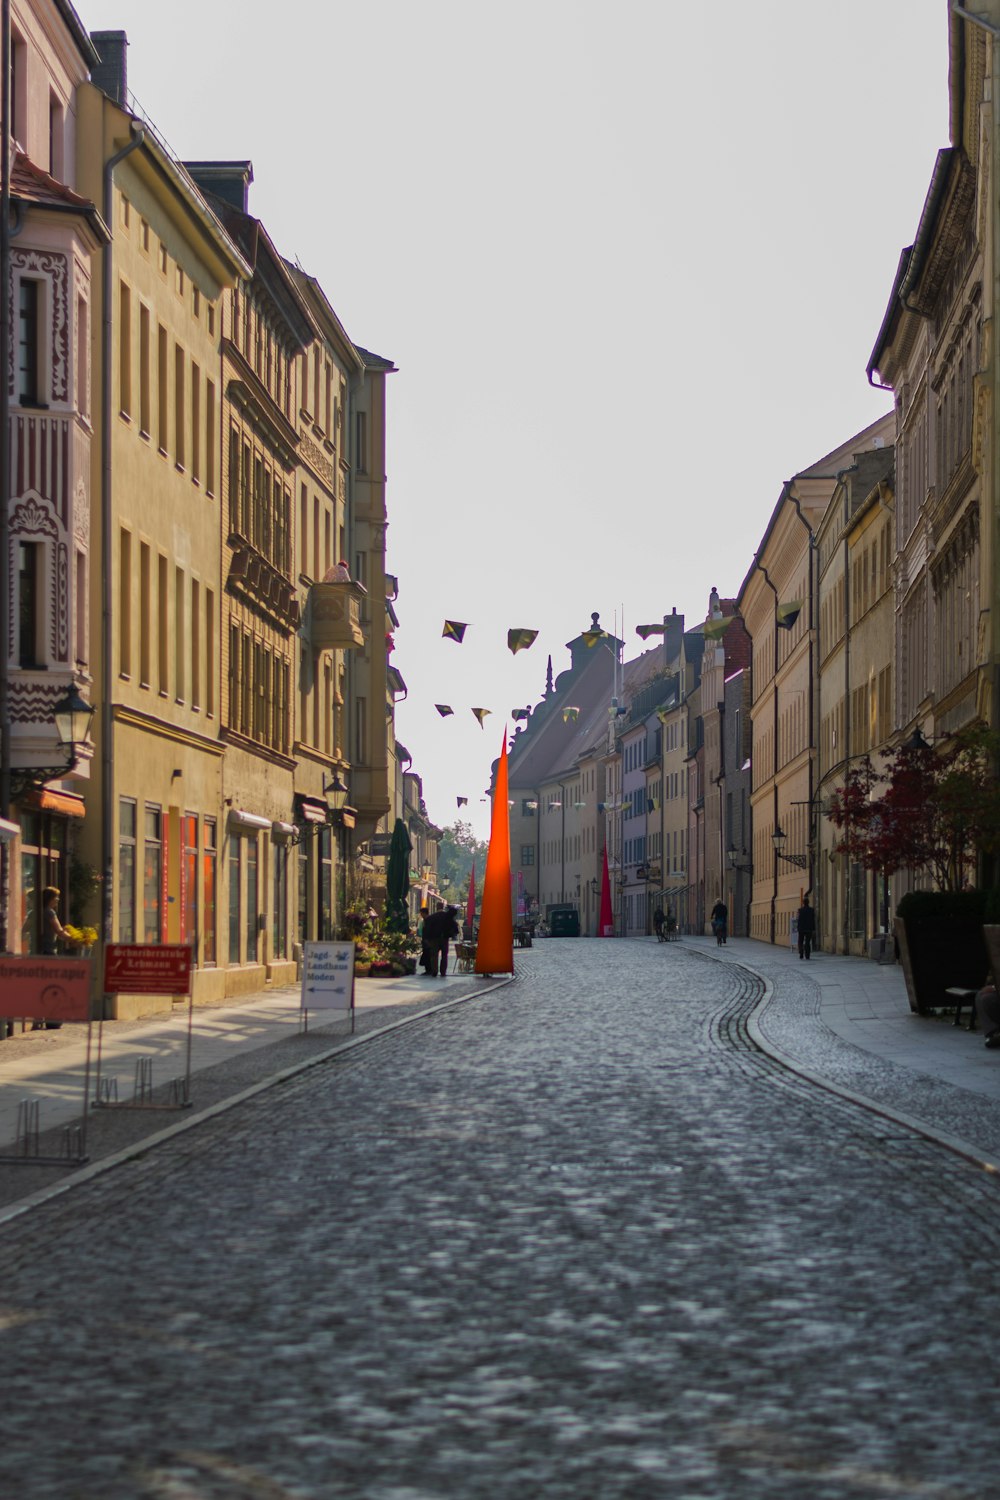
(328, 976)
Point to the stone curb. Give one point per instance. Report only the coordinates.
(953, 1143)
(169, 1132)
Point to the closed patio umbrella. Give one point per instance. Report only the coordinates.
(397, 879)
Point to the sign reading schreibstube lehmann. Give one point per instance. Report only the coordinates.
(328, 976)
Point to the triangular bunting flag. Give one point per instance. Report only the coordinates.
(454, 630)
(520, 640)
(520, 713)
(715, 629)
(462, 801)
(444, 709)
(481, 713)
(570, 713)
(591, 637)
(787, 614)
(645, 631)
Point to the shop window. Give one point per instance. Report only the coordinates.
(127, 828)
(209, 838)
(253, 900)
(235, 874)
(280, 929)
(189, 869)
(152, 876)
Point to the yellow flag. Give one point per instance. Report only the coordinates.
(520, 640)
(481, 713)
(454, 630)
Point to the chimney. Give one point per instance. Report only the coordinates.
(228, 180)
(673, 636)
(111, 74)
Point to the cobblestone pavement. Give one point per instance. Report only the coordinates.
(577, 1238)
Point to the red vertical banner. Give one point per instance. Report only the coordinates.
(606, 921)
(470, 905)
(495, 948)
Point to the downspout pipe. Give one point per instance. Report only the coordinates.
(774, 772)
(107, 558)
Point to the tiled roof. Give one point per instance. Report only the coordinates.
(375, 361)
(32, 185)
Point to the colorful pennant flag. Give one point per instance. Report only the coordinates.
(454, 630)
(481, 713)
(591, 637)
(714, 630)
(520, 640)
(444, 709)
(787, 614)
(520, 713)
(645, 631)
(570, 712)
(462, 801)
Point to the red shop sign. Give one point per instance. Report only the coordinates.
(147, 969)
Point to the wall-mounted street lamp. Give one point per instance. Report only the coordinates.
(737, 858)
(71, 715)
(335, 792)
(916, 741)
(779, 838)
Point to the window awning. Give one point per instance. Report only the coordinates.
(66, 803)
(247, 822)
(311, 810)
(281, 830)
(8, 831)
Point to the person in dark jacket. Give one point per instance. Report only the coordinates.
(439, 928)
(720, 921)
(807, 928)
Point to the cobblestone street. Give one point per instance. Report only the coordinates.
(575, 1238)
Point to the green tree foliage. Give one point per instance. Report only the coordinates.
(456, 852)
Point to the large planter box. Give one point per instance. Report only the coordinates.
(938, 951)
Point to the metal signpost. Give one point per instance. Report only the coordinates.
(47, 989)
(328, 979)
(147, 969)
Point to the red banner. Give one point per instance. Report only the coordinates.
(147, 969)
(45, 989)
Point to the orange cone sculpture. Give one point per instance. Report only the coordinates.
(495, 948)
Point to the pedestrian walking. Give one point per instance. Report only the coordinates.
(807, 928)
(658, 924)
(720, 921)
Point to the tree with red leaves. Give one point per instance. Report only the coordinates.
(923, 809)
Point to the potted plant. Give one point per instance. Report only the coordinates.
(933, 812)
(402, 948)
(363, 957)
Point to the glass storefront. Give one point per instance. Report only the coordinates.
(43, 862)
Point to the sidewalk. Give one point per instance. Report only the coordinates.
(233, 1048)
(847, 1022)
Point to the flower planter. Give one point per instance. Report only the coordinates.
(381, 970)
(362, 971)
(410, 964)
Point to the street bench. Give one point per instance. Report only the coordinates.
(963, 997)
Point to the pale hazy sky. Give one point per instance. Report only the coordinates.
(631, 261)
